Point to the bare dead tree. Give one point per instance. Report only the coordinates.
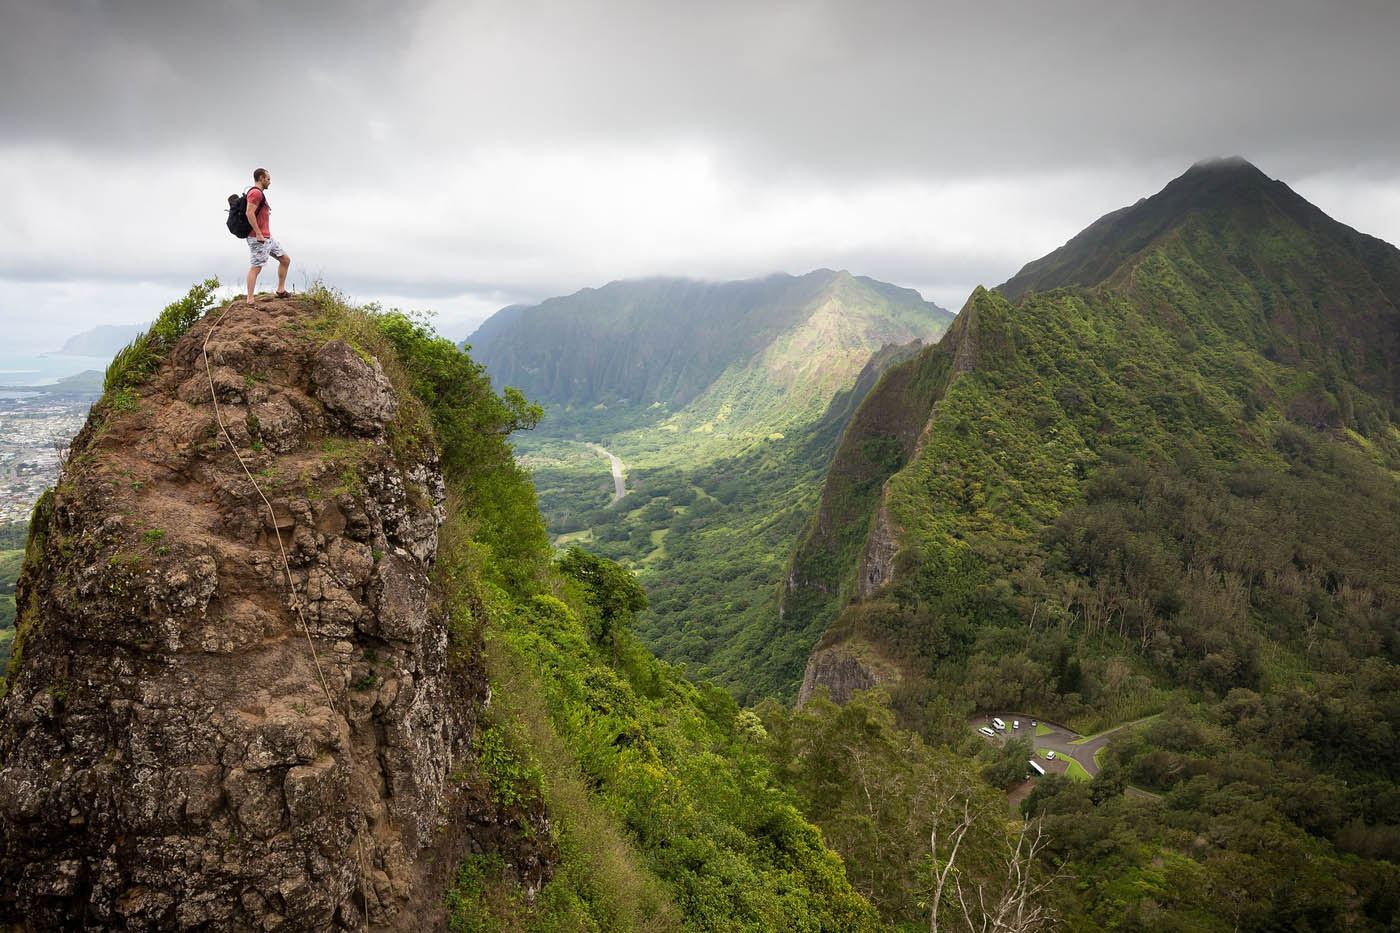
(1017, 909)
(62, 444)
(941, 872)
(1010, 905)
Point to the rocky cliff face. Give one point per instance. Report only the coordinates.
(843, 669)
(881, 546)
(177, 748)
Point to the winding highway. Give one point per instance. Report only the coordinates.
(619, 473)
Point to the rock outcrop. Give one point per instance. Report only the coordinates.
(178, 748)
(843, 669)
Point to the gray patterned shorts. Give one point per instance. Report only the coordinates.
(260, 251)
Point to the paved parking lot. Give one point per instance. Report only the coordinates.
(1062, 740)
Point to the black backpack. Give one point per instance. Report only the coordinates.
(238, 214)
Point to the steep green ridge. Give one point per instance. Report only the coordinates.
(1169, 483)
(879, 441)
(720, 475)
(1307, 289)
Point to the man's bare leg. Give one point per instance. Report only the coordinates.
(284, 262)
(252, 280)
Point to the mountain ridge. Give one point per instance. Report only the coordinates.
(666, 340)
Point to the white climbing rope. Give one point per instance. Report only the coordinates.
(271, 513)
(291, 584)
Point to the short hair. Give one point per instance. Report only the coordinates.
(259, 173)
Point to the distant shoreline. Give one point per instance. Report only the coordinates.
(53, 380)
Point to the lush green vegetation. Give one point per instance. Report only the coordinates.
(1159, 494)
(135, 362)
(664, 814)
(718, 491)
(11, 560)
(1228, 847)
(1169, 491)
(725, 402)
(880, 794)
(710, 542)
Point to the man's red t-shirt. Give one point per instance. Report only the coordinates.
(260, 209)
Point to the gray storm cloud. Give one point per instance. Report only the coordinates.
(450, 149)
(811, 87)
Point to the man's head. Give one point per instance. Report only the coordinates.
(261, 178)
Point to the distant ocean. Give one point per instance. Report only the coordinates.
(25, 370)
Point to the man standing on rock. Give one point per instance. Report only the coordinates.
(260, 242)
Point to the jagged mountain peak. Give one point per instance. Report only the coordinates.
(1229, 186)
(1313, 288)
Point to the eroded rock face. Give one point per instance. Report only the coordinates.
(881, 546)
(842, 670)
(178, 748)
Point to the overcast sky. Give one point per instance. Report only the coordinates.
(460, 156)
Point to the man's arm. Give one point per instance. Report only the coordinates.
(253, 216)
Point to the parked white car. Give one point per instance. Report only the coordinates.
(1050, 754)
(987, 732)
(1000, 726)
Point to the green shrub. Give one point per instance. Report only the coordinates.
(134, 363)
